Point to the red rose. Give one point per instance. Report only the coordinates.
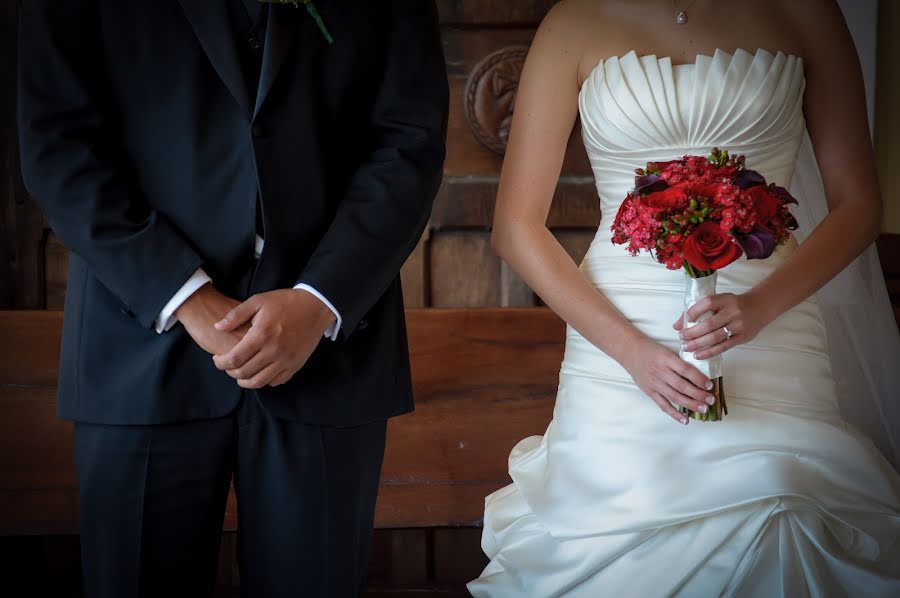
(710, 248)
(765, 203)
(673, 197)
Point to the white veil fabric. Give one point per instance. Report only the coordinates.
(863, 340)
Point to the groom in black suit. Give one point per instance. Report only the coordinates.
(238, 194)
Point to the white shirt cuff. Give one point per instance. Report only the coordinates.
(332, 332)
(167, 318)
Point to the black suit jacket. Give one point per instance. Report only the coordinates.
(146, 154)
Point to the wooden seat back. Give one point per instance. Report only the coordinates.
(483, 380)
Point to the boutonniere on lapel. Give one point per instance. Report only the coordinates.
(313, 12)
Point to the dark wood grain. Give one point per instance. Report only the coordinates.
(502, 13)
(468, 202)
(465, 156)
(22, 227)
(483, 379)
(464, 48)
(414, 275)
(29, 352)
(465, 271)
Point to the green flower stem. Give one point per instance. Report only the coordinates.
(314, 13)
(717, 411)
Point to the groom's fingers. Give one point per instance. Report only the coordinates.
(282, 378)
(253, 366)
(242, 352)
(240, 315)
(262, 378)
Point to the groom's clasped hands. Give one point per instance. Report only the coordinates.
(261, 342)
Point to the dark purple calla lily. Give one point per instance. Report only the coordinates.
(791, 223)
(650, 183)
(759, 244)
(784, 195)
(748, 178)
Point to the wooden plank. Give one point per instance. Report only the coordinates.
(22, 227)
(29, 352)
(493, 12)
(414, 275)
(576, 242)
(35, 446)
(483, 379)
(44, 511)
(8, 203)
(465, 48)
(56, 271)
(457, 555)
(468, 202)
(464, 270)
(467, 157)
(514, 292)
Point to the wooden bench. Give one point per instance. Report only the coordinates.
(483, 378)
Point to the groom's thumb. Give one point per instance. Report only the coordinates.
(238, 316)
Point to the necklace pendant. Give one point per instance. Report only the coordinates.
(681, 19)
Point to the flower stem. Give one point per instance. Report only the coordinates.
(314, 13)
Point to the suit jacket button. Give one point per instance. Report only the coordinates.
(363, 324)
(259, 130)
(253, 43)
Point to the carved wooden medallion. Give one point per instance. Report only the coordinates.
(491, 96)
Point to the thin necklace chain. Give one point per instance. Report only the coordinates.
(685, 9)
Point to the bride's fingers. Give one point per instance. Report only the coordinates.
(714, 304)
(707, 340)
(718, 349)
(689, 372)
(718, 319)
(668, 408)
(689, 395)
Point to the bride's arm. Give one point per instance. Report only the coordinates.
(835, 110)
(546, 108)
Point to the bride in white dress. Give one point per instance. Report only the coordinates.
(621, 497)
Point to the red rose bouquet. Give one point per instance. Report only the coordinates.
(702, 214)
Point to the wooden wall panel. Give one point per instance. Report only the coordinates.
(469, 202)
(576, 243)
(465, 48)
(22, 229)
(465, 156)
(465, 272)
(414, 275)
(56, 270)
(457, 555)
(496, 13)
(484, 379)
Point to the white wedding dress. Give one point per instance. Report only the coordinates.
(783, 498)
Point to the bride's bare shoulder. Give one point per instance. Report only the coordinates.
(573, 27)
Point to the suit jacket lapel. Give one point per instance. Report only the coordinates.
(213, 28)
(281, 35)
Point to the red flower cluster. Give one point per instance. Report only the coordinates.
(703, 213)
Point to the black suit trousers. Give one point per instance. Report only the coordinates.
(153, 500)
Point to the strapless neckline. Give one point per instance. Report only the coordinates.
(718, 52)
(632, 106)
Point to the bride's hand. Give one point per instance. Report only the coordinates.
(668, 380)
(735, 320)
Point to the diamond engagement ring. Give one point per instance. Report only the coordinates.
(728, 333)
